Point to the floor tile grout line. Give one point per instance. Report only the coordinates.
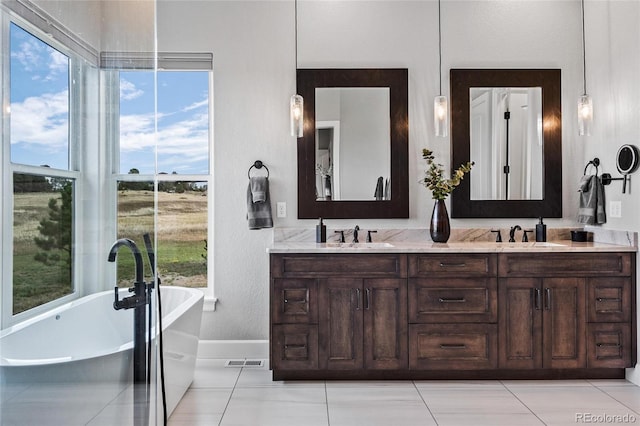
(425, 402)
(617, 400)
(522, 402)
(230, 396)
(326, 400)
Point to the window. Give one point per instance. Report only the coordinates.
(180, 152)
(38, 155)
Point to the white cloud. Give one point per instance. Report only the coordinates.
(41, 60)
(179, 144)
(42, 121)
(129, 91)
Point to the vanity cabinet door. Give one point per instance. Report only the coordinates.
(385, 323)
(520, 323)
(564, 323)
(363, 323)
(340, 323)
(542, 323)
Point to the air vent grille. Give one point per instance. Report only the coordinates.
(240, 363)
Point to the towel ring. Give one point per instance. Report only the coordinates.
(595, 162)
(258, 165)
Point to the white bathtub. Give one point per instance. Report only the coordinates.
(87, 340)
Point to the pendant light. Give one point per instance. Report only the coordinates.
(585, 105)
(440, 104)
(296, 105)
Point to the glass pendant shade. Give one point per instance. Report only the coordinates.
(297, 115)
(441, 116)
(585, 115)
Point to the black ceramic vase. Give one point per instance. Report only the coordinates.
(440, 228)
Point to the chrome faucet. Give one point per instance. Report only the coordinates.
(355, 234)
(512, 233)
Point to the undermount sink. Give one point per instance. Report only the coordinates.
(360, 245)
(546, 244)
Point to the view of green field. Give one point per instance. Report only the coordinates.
(181, 252)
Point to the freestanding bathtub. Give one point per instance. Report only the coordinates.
(87, 340)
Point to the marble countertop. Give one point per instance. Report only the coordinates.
(559, 246)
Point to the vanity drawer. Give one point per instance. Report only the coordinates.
(609, 299)
(327, 265)
(453, 346)
(609, 345)
(294, 347)
(445, 300)
(452, 265)
(564, 264)
(294, 301)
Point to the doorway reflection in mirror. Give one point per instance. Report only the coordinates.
(353, 148)
(506, 143)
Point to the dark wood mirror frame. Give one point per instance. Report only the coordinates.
(549, 79)
(397, 81)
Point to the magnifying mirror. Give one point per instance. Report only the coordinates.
(627, 162)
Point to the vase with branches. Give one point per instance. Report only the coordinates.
(441, 187)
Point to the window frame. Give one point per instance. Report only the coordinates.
(76, 69)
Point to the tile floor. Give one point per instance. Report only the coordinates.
(247, 396)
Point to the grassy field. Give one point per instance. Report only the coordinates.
(182, 231)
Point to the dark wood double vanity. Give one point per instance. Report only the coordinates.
(451, 314)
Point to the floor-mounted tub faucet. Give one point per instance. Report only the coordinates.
(138, 302)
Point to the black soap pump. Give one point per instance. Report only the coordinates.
(541, 231)
(321, 232)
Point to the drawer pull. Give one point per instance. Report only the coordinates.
(295, 301)
(608, 299)
(608, 345)
(453, 346)
(452, 300)
(295, 346)
(452, 265)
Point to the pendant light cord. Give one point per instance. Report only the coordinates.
(296, 31)
(440, 49)
(584, 54)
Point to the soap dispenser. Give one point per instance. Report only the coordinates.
(321, 232)
(541, 231)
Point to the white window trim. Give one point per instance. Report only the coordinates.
(8, 318)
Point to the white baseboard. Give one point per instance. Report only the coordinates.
(633, 375)
(223, 349)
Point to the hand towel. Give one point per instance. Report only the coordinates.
(258, 189)
(378, 193)
(259, 203)
(591, 209)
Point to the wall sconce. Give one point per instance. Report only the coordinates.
(585, 104)
(296, 105)
(440, 104)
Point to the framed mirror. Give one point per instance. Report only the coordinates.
(353, 156)
(509, 122)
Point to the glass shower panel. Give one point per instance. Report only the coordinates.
(76, 345)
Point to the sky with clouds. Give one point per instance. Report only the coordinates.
(40, 113)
